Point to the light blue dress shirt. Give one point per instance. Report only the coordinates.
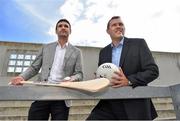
(116, 52)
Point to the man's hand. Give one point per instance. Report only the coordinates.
(119, 79)
(16, 80)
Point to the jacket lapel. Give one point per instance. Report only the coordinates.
(68, 53)
(109, 53)
(124, 51)
(52, 51)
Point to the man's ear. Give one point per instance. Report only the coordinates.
(107, 31)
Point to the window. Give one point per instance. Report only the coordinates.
(19, 62)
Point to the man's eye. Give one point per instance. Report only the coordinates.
(121, 24)
(66, 26)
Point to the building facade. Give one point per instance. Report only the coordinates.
(16, 57)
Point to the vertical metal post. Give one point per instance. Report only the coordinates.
(175, 93)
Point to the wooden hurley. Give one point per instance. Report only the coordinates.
(94, 85)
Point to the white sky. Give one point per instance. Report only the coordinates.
(157, 21)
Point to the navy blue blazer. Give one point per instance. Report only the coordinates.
(139, 67)
(136, 61)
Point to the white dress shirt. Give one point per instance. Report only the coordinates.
(56, 73)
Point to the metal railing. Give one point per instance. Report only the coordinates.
(24, 93)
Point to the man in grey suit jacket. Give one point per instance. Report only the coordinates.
(56, 60)
(137, 68)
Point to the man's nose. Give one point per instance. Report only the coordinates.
(63, 27)
(119, 26)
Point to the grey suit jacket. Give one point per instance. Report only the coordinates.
(72, 64)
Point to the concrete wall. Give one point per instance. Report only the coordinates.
(90, 61)
(5, 48)
(169, 68)
(169, 63)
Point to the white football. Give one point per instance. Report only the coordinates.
(106, 70)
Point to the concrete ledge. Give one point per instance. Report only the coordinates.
(57, 93)
(20, 93)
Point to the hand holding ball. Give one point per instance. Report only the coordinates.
(106, 70)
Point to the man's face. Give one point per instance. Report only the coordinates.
(63, 29)
(116, 28)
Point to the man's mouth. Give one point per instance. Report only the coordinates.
(118, 31)
(63, 32)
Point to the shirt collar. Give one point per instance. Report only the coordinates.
(65, 45)
(121, 42)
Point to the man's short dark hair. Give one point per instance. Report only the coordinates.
(114, 17)
(63, 20)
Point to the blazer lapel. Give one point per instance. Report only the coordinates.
(52, 51)
(124, 51)
(68, 53)
(109, 53)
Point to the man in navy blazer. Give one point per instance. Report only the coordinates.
(56, 60)
(137, 68)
